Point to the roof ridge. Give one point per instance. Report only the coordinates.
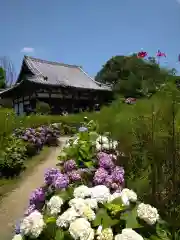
(93, 79)
(51, 62)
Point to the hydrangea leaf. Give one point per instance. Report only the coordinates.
(162, 232)
(130, 217)
(153, 237)
(67, 194)
(117, 201)
(50, 231)
(50, 220)
(89, 164)
(59, 235)
(102, 218)
(114, 208)
(67, 236)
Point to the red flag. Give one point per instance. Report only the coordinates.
(160, 54)
(142, 54)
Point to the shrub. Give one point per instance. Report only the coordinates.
(89, 202)
(13, 157)
(42, 108)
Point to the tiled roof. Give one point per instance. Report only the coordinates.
(53, 73)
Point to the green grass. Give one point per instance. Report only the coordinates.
(8, 185)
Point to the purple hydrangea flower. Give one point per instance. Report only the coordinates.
(100, 176)
(118, 174)
(70, 165)
(105, 160)
(61, 181)
(37, 196)
(74, 176)
(108, 181)
(25, 138)
(30, 209)
(115, 186)
(50, 175)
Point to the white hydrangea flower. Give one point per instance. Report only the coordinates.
(77, 203)
(17, 237)
(113, 144)
(67, 217)
(92, 203)
(81, 192)
(101, 193)
(32, 225)
(106, 234)
(128, 195)
(106, 146)
(103, 142)
(55, 204)
(99, 230)
(125, 199)
(98, 146)
(128, 234)
(114, 196)
(102, 139)
(87, 212)
(148, 213)
(81, 229)
(83, 207)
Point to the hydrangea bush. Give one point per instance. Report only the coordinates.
(89, 201)
(36, 138)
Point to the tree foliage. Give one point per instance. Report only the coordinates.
(10, 73)
(2, 78)
(132, 76)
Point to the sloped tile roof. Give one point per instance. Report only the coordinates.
(53, 73)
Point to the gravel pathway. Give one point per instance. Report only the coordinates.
(15, 203)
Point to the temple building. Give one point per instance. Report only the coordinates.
(62, 86)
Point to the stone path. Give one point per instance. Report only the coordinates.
(15, 203)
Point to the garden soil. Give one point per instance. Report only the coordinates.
(13, 205)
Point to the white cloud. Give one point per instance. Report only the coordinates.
(27, 50)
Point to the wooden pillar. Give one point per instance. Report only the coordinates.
(23, 103)
(18, 107)
(50, 101)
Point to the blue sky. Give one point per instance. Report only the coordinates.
(88, 33)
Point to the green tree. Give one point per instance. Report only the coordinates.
(132, 76)
(2, 78)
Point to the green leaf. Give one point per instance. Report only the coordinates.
(102, 218)
(114, 208)
(50, 231)
(66, 194)
(153, 237)
(59, 235)
(89, 164)
(67, 236)
(130, 217)
(162, 232)
(50, 220)
(117, 201)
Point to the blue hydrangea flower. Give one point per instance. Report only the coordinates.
(82, 129)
